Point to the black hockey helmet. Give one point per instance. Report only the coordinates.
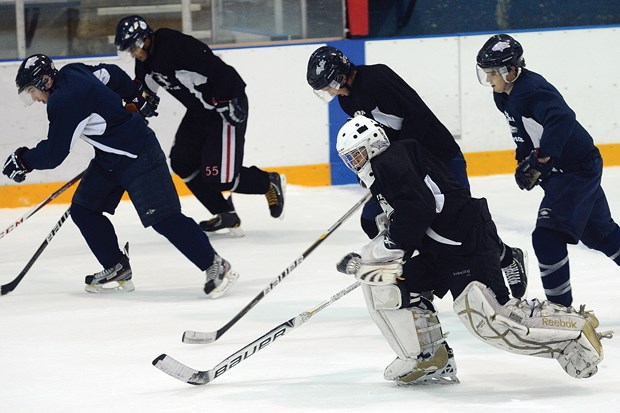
(129, 31)
(327, 67)
(501, 50)
(32, 70)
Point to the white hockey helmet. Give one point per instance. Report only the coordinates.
(359, 140)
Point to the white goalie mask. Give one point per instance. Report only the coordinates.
(359, 140)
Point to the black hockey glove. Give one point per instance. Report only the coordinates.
(349, 264)
(144, 100)
(230, 111)
(530, 172)
(14, 167)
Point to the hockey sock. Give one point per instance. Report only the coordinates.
(188, 238)
(252, 181)
(99, 234)
(550, 248)
(506, 255)
(209, 195)
(610, 246)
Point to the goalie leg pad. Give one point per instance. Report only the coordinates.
(414, 334)
(541, 329)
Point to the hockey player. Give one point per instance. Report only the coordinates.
(208, 149)
(457, 249)
(84, 102)
(379, 93)
(557, 153)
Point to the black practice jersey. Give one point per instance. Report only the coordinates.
(428, 210)
(379, 93)
(188, 69)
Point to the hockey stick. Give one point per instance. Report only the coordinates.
(189, 375)
(198, 337)
(42, 204)
(7, 288)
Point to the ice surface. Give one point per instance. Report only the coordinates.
(64, 350)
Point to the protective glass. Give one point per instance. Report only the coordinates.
(328, 93)
(26, 95)
(127, 54)
(486, 75)
(356, 158)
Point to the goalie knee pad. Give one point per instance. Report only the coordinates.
(534, 328)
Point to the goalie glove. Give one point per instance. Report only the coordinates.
(230, 111)
(14, 167)
(144, 100)
(381, 261)
(530, 172)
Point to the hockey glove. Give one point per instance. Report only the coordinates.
(530, 172)
(381, 261)
(349, 264)
(230, 111)
(144, 100)
(14, 167)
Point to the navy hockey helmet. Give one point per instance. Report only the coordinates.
(130, 31)
(32, 70)
(327, 67)
(497, 57)
(31, 73)
(501, 50)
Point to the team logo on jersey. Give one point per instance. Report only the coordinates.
(320, 67)
(544, 213)
(501, 46)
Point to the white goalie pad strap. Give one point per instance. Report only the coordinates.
(397, 325)
(542, 330)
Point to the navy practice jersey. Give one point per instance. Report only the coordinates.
(189, 71)
(379, 93)
(85, 103)
(427, 209)
(539, 117)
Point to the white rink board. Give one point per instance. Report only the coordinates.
(289, 126)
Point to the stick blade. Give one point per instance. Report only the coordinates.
(180, 371)
(199, 337)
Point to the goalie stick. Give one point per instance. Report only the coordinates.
(189, 375)
(199, 337)
(7, 288)
(42, 204)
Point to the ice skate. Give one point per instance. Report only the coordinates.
(439, 368)
(119, 274)
(516, 273)
(275, 194)
(225, 224)
(220, 277)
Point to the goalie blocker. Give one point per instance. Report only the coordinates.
(534, 328)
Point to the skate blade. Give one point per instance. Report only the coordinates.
(229, 280)
(283, 186)
(226, 233)
(430, 381)
(123, 286)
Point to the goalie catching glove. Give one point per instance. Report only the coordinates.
(380, 262)
(144, 100)
(530, 172)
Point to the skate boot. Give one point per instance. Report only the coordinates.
(516, 273)
(275, 194)
(224, 223)
(220, 277)
(119, 274)
(438, 368)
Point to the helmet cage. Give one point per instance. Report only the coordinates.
(359, 140)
